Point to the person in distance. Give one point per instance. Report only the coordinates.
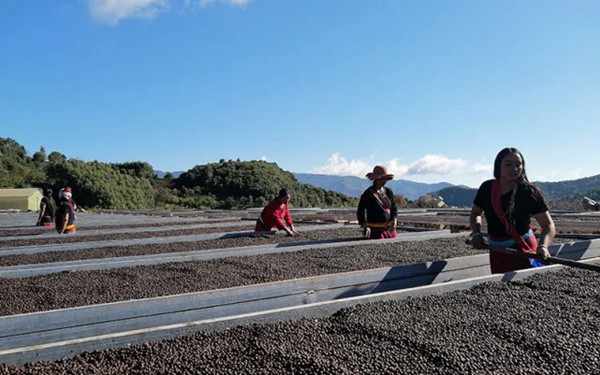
(65, 214)
(47, 209)
(377, 210)
(277, 214)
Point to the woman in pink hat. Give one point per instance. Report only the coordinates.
(377, 208)
(71, 200)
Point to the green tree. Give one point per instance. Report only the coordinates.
(103, 185)
(40, 156)
(18, 170)
(56, 157)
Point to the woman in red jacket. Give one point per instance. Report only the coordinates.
(276, 214)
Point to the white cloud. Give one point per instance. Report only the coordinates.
(263, 158)
(395, 167)
(429, 164)
(480, 168)
(112, 11)
(339, 166)
(435, 164)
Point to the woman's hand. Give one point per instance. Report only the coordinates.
(542, 251)
(547, 235)
(366, 231)
(476, 240)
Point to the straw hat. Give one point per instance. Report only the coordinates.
(379, 172)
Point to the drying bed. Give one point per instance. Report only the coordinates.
(233, 240)
(26, 220)
(119, 236)
(81, 288)
(31, 231)
(548, 323)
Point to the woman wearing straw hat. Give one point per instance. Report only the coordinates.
(377, 208)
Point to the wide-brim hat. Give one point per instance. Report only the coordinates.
(379, 172)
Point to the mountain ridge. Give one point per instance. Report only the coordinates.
(559, 194)
(354, 186)
(454, 195)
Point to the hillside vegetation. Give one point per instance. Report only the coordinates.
(134, 185)
(226, 184)
(575, 188)
(458, 196)
(240, 184)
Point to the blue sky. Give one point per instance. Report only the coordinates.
(432, 89)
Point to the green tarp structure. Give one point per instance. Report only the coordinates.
(27, 199)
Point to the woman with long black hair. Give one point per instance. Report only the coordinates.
(47, 210)
(509, 201)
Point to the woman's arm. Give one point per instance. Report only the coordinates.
(361, 215)
(42, 211)
(548, 232)
(475, 223)
(394, 205)
(288, 220)
(64, 223)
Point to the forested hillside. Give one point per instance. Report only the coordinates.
(239, 184)
(458, 196)
(226, 184)
(574, 202)
(105, 185)
(134, 185)
(562, 189)
(17, 169)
